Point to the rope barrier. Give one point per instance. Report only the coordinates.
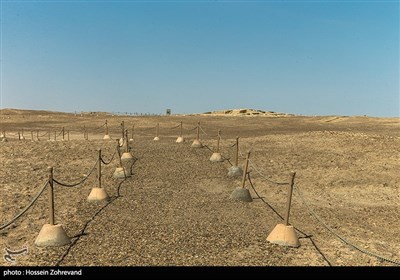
(318, 219)
(91, 219)
(100, 126)
(44, 134)
(265, 178)
(83, 180)
(135, 159)
(262, 199)
(203, 131)
(305, 235)
(253, 165)
(13, 134)
(262, 175)
(270, 206)
(112, 157)
(224, 158)
(221, 139)
(145, 131)
(60, 132)
(344, 240)
(205, 146)
(176, 126)
(240, 153)
(76, 131)
(26, 208)
(228, 160)
(191, 129)
(230, 147)
(148, 128)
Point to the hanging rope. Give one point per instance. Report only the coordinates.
(265, 178)
(43, 134)
(262, 199)
(203, 131)
(83, 180)
(191, 129)
(12, 134)
(112, 157)
(227, 159)
(262, 175)
(26, 208)
(60, 132)
(148, 128)
(100, 126)
(176, 126)
(234, 145)
(205, 146)
(344, 240)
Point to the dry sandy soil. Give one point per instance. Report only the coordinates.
(175, 209)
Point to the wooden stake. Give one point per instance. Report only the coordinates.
(157, 129)
(99, 170)
(51, 196)
(119, 155)
(219, 137)
(237, 152)
(289, 197)
(127, 141)
(245, 170)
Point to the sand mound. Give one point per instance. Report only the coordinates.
(246, 112)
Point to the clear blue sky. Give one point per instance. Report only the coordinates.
(302, 57)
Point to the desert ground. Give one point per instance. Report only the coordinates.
(175, 209)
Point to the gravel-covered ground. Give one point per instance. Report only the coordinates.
(175, 209)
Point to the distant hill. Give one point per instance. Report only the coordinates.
(8, 111)
(246, 112)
